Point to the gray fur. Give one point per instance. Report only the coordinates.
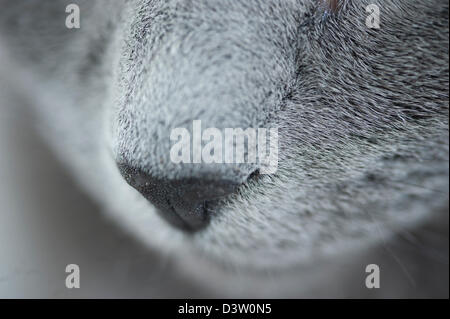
(363, 115)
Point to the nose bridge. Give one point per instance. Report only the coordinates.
(220, 62)
(227, 66)
(210, 75)
(224, 65)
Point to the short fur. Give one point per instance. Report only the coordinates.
(362, 113)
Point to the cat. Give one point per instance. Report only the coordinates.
(361, 112)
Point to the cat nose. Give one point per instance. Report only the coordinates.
(183, 203)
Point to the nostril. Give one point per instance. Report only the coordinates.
(183, 202)
(253, 176)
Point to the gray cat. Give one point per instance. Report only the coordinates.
(361, 112)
